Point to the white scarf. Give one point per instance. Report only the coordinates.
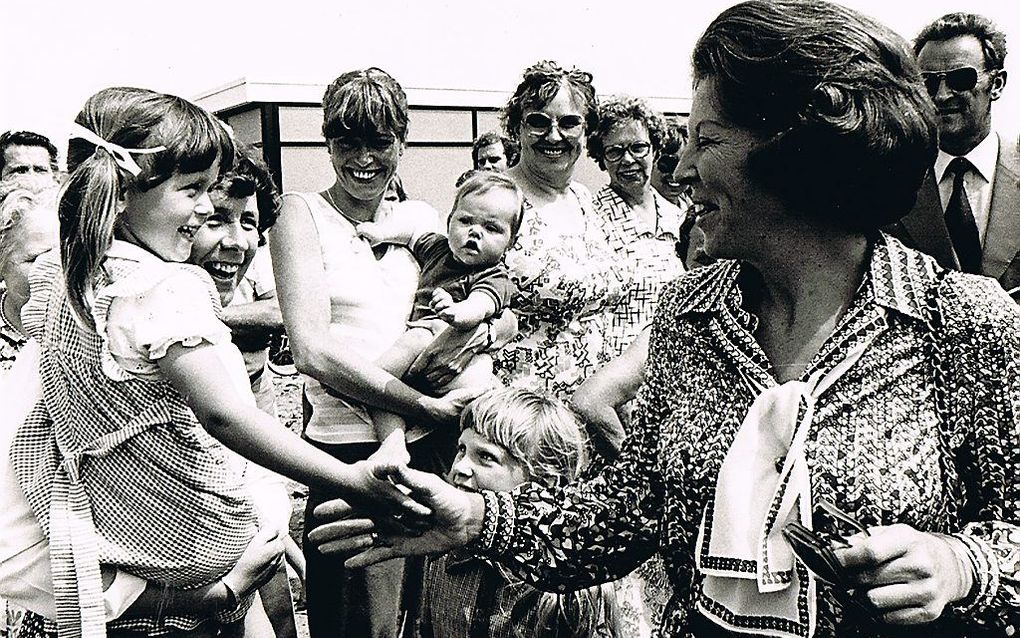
(753, 582)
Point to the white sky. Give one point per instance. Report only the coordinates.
(57, 53)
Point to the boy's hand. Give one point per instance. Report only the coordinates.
(372, 232)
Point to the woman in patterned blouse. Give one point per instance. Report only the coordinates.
(566, 274)
(817, 360)
(641, 225)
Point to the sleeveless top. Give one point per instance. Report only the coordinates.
(117, 468)
(370, 301)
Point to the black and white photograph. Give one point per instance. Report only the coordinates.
(449, 319)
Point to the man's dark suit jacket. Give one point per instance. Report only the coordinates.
(924, 227)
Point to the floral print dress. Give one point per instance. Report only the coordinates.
(567, 277)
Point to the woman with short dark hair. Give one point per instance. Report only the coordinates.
(343, 304)
(817, 362)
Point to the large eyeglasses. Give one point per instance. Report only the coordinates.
(539, 124)
(615, 152)
(962, 79)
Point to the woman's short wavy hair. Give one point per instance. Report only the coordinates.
(364, 103)
(542, 81)
(847, 129)
(619, 110)
(249, 176)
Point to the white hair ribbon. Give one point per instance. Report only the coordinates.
(120, 154)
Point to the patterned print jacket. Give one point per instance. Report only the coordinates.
(877, 446)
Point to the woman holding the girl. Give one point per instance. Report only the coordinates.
(122, 458)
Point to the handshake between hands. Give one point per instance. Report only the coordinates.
(895, 573)
(419, 513)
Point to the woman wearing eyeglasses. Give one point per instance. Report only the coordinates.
(641, 225)
(564, 269)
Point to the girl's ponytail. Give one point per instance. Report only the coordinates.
(88, 216)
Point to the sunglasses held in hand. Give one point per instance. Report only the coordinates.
(815, 547)
(962, 79)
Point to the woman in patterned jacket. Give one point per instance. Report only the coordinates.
(818, 361)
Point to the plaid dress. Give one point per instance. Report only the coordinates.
(117, 469)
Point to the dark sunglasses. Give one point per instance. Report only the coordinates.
(540, 124)
(962, 79)
(615, 152)
(667, 163)
(814, 547)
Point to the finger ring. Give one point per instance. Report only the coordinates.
(373, 538)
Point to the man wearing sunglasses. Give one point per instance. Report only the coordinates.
(967, 213)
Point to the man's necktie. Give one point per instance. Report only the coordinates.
(960, 219)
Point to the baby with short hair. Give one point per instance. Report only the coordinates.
(463, 282)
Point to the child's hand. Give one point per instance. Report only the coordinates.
(457, 519)
(392, 452)
(371, 232)
(372, 489)
(260, 560)
(461, 316)
(441, 300)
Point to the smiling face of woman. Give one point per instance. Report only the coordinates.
(733, 212)
(554, 149)
(364, 162)
(628, 174)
